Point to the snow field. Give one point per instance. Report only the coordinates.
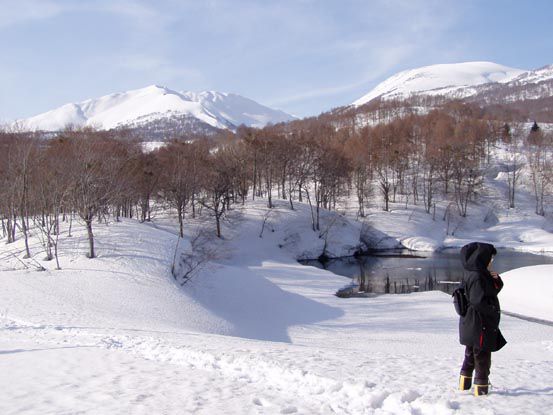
(529, 283)
(255, 332)
(99, 370)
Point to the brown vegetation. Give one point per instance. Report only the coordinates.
(411, 158)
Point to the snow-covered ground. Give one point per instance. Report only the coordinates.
(529, 292)
(253, 332)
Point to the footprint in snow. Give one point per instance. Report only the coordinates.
(111, 343)
(289, 410)
(409, 396)
(260, 402)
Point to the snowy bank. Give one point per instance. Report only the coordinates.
(528, 292)
(254, 332)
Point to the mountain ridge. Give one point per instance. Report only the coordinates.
(455, 80)
(524, 95)
(210, 109)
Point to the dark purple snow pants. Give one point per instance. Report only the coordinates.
(477, 360)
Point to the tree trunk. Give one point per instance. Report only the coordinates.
(218, 220)
(310, 209)
(26, 237)
(91, 253)
(181, 221)
(70, 224)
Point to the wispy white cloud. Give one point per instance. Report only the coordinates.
(388, 34)
(305, 53)
(18, 11)
(146, 16)
(382, 61)
(163, 69)
(319, 92)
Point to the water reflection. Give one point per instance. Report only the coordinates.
(408, 271)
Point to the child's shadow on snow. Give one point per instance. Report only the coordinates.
(526, 391)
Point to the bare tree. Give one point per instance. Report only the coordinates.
(19, 166)
(51, 196)
(217, 180)
(540, 163)
(95, 162)
(180, 175)
(359, 151)
(191, 261)
(512, 138)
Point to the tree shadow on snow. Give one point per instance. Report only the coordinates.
(254, 306)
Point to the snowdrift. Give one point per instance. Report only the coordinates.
(528, 292)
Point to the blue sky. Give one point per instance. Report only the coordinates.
(302, 56)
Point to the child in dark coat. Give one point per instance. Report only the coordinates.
(479, 328)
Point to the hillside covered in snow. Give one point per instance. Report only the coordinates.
(524, 94)
(169, 282)
(253, 332)
(454, 80)
(210, 109)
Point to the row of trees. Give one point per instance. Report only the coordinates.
(420, 159)
(94, 175)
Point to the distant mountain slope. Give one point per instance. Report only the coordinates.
(513, 93)
(530, 85)
(455, 80)
(202, 111)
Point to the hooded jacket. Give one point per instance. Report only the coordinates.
(480, 326)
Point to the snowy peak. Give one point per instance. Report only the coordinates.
(457, 80)
(542, 74)
(155, 102)
(237, 109)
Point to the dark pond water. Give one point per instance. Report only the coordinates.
(408, 271)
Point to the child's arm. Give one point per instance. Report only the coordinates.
(476, 295)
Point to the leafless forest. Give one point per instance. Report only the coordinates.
(420, 159)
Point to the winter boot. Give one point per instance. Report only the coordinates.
(481, 387)
(465, 382)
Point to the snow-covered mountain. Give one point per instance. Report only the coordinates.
(208, 109)
(454, 80)
(527, 95)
